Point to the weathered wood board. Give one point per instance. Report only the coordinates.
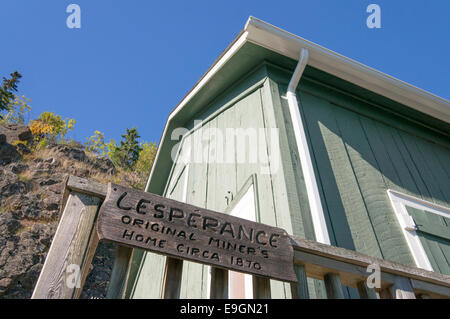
(161, 225)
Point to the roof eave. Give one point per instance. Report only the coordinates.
(288, 44)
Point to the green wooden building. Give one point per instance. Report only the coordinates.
(285, 132)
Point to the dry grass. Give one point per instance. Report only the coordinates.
(42, 153)
(122, 176)
(26, 176)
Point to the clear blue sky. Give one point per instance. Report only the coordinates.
(132, 61)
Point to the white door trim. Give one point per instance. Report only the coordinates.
(244, 208)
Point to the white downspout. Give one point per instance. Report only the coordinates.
(317, 214)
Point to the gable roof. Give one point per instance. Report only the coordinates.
(241, 55)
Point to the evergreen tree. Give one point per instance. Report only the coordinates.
(6, 90)
(127, 153)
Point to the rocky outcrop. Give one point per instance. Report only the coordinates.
(15, 132)
(9, 136)
(31, 188)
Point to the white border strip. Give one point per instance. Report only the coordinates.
(399, 202)
(245, 209)
(315, 203)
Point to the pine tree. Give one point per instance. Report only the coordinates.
(127, 154)
(7, 89)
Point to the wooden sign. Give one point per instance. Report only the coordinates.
(165, 226)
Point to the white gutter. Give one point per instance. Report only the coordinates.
(315, 204)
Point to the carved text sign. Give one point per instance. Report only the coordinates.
(165, 226)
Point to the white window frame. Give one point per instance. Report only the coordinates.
(245, 208)
(399, 202)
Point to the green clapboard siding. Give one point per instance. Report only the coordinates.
(358, 156)
(434, 233)
(359, 152)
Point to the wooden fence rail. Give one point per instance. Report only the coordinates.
(75, 241)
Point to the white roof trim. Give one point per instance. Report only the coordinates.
(288, 44)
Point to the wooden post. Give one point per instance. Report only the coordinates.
(333, 286)
(172, 278)
(219, 283)
(385, 293)
(366, 292)
(73, 247)
(261, 288)
(300, 290)
(402, 288)
(117, 284)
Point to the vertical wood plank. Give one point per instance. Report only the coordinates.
(344, 199)
(285, 190)
(366, 292)
(402, 288)
(74, 243)
(261, 288)
(195, 276)
(373, 188)
(333, 286)
(405, 182)
(219, 283)
(118, 280)
(274, 161)
(150, 277)
(300, 290)
(435, 179)
(136, 261)
(172, 278)
(380, 152)
(410, 164)
(249, 118)
(279, 160)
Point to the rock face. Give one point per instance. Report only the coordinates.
(9, 134)
(30, 194)
(15, 132)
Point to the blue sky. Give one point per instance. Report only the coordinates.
(132, 61)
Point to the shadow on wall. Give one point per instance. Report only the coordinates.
(359, 159)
